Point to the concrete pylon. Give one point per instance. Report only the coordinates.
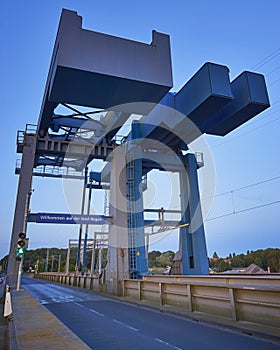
(117, 267)
(22, 202)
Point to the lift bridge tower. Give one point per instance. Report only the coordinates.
(118, 78)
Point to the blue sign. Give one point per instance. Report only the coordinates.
(54, 218)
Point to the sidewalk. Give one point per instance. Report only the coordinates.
(4, 328)
(37, 328)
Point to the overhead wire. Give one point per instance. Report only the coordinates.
(267, 113)
(243, 187)
(274, 70)
(234, 211)
(261, 63)
(219, 143)
(274, 82)
(243, 210)
(267, 59)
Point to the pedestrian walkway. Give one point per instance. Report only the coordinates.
(37, 328)
(4, 324)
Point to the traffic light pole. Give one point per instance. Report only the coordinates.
(20, 265)
(24, 187)
(21, 241)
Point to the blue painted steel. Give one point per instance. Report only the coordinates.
(62, 121)
(95, 176)
(102, 90)
(192, 237)
(136, 234)
(58, 218)
(250, 99)
(99, 70)
(205, 93)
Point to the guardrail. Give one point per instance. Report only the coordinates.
(246, 279)
(87, 282)
(254, 299)
(252, 303)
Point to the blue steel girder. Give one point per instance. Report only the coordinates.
(207, 103)
(100, 71)
(59, 121)
(250, 98)
(136, 234)
(192, 237)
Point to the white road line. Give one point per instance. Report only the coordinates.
(168, 344)
(126, 325)
(96, 312)
(80, 305)
(91, 310)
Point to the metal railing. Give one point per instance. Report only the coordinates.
(52, 171)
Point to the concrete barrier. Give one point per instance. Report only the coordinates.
(87, 282)
(253, 299)
(251, 303)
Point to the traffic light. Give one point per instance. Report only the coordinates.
(20, 245)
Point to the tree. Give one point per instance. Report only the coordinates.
(163, 260)
(152, 256)
(222, 265)
(238, 261)
(215, 255)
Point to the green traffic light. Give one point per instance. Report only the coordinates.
(20, 251)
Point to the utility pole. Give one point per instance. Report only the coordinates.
(78, 259)
(52, 263)
(59, 259)
(47, 260)
(37, 266)
(100, 257)
(68, 259)
(86, 232)
(93, 255)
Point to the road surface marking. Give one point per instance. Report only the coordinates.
(126, 325)
(96, 312)
(80, 305)
(91, 310)
(168, 344)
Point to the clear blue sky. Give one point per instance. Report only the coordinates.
(239, 34)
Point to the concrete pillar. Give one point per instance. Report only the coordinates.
(117, 266)
(21, 212)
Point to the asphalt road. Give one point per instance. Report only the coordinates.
(103, 323)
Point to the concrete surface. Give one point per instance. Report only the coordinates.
(36, 328)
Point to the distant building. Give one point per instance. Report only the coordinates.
(252, 269)
(226, 260)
